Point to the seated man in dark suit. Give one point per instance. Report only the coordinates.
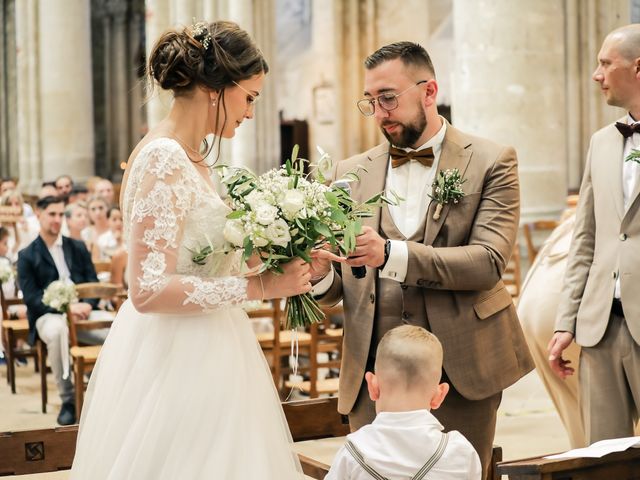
(51, 257)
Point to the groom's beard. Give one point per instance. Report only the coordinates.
(409, 133)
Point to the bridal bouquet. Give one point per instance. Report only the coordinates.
(59, 294)
(6, 271)
(284, 214)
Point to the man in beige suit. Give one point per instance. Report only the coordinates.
(443, 273)
(601, 295)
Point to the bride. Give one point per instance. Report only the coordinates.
(181, 388)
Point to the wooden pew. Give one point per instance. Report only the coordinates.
(50, 450)
(619, 466)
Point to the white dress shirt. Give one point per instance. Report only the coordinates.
(58, 258)
(398, 444)
(630, 173)
(413, 182)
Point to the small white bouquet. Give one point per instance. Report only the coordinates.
(283, 214)
(6, 270)
(59, 294)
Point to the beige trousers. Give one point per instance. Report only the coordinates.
(610, 383)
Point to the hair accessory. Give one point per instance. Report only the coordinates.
(200, 32)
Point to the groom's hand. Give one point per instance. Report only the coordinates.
(369, 249)
(558, 344)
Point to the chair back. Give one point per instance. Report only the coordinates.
(101, 290)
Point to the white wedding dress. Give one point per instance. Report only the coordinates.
(181, 389)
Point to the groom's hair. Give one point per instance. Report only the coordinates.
(411, 54)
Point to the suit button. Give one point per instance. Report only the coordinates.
(420, 282)
(614, 275)
(623, 237)
(405, 315)
(372, 298)
(403, 286)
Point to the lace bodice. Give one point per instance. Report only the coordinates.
(169, 212)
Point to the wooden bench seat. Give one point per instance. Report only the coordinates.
(324, 386)
(615, 466)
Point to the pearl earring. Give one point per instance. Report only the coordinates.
(213, 103)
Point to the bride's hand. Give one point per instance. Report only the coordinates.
(295, 280)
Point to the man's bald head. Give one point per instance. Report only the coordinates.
(627, 40)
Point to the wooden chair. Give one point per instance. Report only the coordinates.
(512, 276)
(277, 346)
(324, 339)
(102, 266)
(12, 332)
(84, 357)
(529, 230)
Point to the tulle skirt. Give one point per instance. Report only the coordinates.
(183, 397)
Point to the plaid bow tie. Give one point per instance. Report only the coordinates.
(628, 130)
(400, 157)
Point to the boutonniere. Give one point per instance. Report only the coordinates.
(634, 156)
(447, 189)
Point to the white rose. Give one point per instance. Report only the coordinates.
(259, 241)
(255, 199)
(278, 233)
(265, 214)
(234, 232)
(292, 203)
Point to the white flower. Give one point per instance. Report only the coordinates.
(234, 232)
(292, 203)
(6, 272)
(278, 233)
(255, 198)
(265, 214)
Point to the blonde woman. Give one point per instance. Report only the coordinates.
(24, 230)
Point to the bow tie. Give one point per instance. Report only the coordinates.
(628, 130)
(400, 157)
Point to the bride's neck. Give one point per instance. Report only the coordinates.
(188, 120)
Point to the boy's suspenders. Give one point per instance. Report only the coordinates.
(355, 453)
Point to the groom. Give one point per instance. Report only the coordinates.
(443, 273)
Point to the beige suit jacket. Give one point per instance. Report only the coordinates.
(605, 245)
(459, 265)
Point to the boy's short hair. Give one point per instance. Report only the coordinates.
(4, 232)
(411, 355)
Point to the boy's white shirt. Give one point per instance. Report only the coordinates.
(398, 444)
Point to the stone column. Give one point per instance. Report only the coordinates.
(118, 96)
(509, 87)
(158, 20)
(243, 149)
(28, 129)
(183, 12)
(65, 89)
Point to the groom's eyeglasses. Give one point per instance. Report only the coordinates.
(386, 101)
(251, 98)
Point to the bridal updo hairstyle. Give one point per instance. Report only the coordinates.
(212, 55)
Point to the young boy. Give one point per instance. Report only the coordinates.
(405, 440)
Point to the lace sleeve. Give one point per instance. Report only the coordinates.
(164, 195)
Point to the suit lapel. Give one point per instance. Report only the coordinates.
(373, 180)
(68, 255)
(44, 252)
(456, 153)
(614, 185)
